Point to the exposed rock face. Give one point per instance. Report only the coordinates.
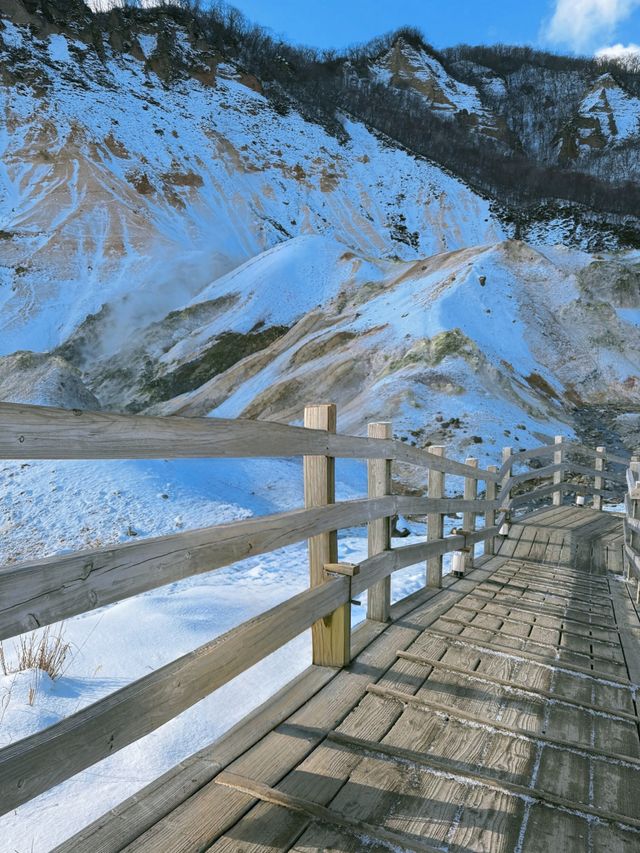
(408, 67)
(28, 377)
(173, 239)
(607, 115)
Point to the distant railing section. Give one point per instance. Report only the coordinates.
(36, 593)
(632, 525)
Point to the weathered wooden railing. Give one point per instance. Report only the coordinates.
(632, 524)
(39, 592)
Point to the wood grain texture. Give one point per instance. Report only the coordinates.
(111, 832)
(558, 458)
(379, 531)
(598, 482)
(435, 520)
(490, 514)
(469, 518)
(320, 813)
(41, 432)
(330, 636)
(38, 762)
(451, 726)
(413, 756)
(37, 593)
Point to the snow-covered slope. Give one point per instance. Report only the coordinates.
(112, 178)
(175, 239)
(246, 251)
(607, 115)
(463, 348)
(404, 66)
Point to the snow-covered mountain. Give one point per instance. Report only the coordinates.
(175, 238)
(197, 220)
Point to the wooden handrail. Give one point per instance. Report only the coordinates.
(42, 760)
(566, 446)
(41, 432)
(36, 763)
(594, 472)
(37, 593)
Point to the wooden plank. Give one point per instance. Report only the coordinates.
(474, 720)
(558, 458)
(210, 812)
(316, 812)
(331, 635)
(598, 482)
(469, 518)
(132, 818)
(40, 592)
(536, 595)
(379, 532)
(514, 686)
(435, 521)
(566, 579)
(42, 760)
(565, 613)
(135, 815)
(374, 569)
(560, 625)
(537, 474)
(529, 497)
(522, 642)
(42, 432)
(608, 476)
(490, 515)
(543, 660)
(603, 600)
(429, 762)
(628, 626)
(535, 453)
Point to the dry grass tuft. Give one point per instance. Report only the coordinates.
(45, 652)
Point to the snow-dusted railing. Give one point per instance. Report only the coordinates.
(632, 524)
(40, 592)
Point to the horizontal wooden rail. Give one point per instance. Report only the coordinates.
(528, 497)
(633, 523)
(40, 432)
(593, 472)
(37, 763)
(525, 476)
(580, 489)
(550, 449)
(604, 454)
(377, 568)
(38, 593)
(633, 561)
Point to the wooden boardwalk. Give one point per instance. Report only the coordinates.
(497, 713)
(494, 711)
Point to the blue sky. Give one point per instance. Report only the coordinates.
(568, 26)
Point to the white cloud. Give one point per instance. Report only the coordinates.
(625, 54)
(580, 23)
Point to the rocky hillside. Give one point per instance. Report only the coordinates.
(183, 228)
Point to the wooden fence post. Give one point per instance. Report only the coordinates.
(379, 531)
(435, 520)
(557, 477)
(331, 636)
(634, 512)
(598, 482)
(469, 518)
(507, 456)
(490, 514)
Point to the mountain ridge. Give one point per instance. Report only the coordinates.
(253, 250)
